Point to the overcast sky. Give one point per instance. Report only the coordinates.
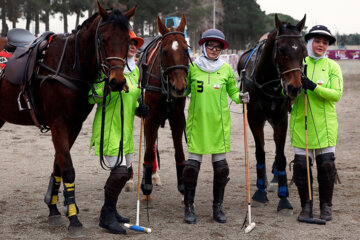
(339, 16)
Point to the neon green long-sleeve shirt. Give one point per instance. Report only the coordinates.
(322, 124)
(208, 124)
(112, 133)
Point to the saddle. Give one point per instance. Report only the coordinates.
(20, 67)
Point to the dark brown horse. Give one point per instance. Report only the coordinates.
(60, 92)
(167, 62)
(271, 73)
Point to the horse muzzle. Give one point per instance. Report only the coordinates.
(176, 92)
(292, 91)
(116, 86)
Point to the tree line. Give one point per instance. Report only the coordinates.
(242, 21)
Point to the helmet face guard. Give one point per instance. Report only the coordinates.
(214, 35)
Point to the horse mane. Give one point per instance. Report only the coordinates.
(116, 16)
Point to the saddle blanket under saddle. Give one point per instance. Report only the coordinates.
(4, 58)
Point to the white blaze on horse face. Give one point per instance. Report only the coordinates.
(175, 45)
(294, 47)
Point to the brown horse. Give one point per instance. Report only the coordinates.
(167, 61)
(3, 42)
(60, 91)
(271, 73)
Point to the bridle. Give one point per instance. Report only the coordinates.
(102, 60)
(164, 73)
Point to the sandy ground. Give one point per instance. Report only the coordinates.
(27, 158)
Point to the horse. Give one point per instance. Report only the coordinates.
(271, 73)
(167, 60)
(3, 42)
(60, 87)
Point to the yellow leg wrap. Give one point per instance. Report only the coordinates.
(57, 179)
(54, 199)
(72, 210)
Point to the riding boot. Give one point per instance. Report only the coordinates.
(300, 179)
(221, 173)
(180, 181)
(326, 178)
(109, 217)
(190, 176)
(146, 183)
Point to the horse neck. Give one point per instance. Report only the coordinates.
(265, 68)
(87, 53)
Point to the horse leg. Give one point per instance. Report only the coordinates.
(63, 141)
(151, 127)
(284, 205)
(177, 125)
(51, 196)
(2, 123)
(256, 125)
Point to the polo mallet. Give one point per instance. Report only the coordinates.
(251, 225)
(309, 220)
(137, 227)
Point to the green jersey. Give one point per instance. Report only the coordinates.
(322, 124)
(208, 124)
(112, 132)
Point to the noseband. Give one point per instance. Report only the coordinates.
(102, 59)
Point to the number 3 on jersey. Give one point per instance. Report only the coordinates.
(200, 86)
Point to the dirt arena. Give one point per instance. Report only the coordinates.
(27, 158)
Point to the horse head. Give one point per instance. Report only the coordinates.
(112, 42)
(289, 52)
(174, 57)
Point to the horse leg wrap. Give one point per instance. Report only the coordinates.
(116, 181)
(180, 181)
(261, 182)
(300, 178)
(51, 195)
(130, 172)
(70, 207)
(326, 177)
(283, 191)
(146, 183)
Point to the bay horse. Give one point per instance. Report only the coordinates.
(71, 64)
(271, 73)
(167, 62)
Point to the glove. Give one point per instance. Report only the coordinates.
(142, 110)
(307, 83)
(244, 97)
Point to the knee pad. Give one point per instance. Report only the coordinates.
(116, 181)
(300, 171)
(326, 167)
(221, 173)
(190, 173)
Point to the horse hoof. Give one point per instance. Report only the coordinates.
(156, 179)
(259, 199)
(129, 186)
(284, 207)
(76, 232)
(147, 201)
(55, 221)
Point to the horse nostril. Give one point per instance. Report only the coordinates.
(115, 86)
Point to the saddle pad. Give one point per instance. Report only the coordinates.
(4, 58)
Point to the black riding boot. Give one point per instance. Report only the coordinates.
(190, 176)
(300, 179)
(326, 178)
(109, 215)
(221, 173)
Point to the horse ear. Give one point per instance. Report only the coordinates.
(181, 27)
(161, 26)
(102, 11)
(131, 12)
(278, 23)
(301, 24)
